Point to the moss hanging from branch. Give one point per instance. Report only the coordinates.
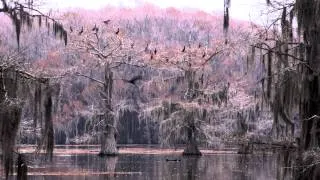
(269, 74)
(49, 136)
(10, 115)
(46, 106)
(37, 104)
(24, 16)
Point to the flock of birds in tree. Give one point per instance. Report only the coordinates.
(153, 53)
(95, 28)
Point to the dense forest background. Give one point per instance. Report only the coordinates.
(166, 31)
(160, 76)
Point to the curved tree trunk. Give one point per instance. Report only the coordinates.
(108, 140)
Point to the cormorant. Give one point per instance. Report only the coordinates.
(134, 80)
(81, 31)
(184, 49)
(95, 28)
(117, 32)
(106, 22)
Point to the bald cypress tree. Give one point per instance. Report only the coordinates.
(301, 88)
(14, 80)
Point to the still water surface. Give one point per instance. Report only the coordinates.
(155, 166)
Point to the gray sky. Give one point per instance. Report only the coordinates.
(240, 9)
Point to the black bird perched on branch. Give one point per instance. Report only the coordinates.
(117, 32)
(203, 55)
(151, 57)
(155, 51)
(95, 28)
(71, 29)
(134, 80)
(81, 31)
(106, 22)
(184, 49)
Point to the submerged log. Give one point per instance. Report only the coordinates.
(173, 159)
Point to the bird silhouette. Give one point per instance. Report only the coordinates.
(95, 28)
(167, 60)
(117, 32)
(151, 57)
(71, 29)
(106, 22)
(155, 51)
(184, 49)
(199, 46)
(81, 31)
(134, 80)
(203, 55)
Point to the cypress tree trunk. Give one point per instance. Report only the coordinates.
(192, 147)
(2, 87)
(108, 140)
(310, 105)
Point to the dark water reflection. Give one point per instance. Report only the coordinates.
(149, 167)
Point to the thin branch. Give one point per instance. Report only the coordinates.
(285, 54)
(312, 117)
(91, 78)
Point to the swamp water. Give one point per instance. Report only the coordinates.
(82, 163)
